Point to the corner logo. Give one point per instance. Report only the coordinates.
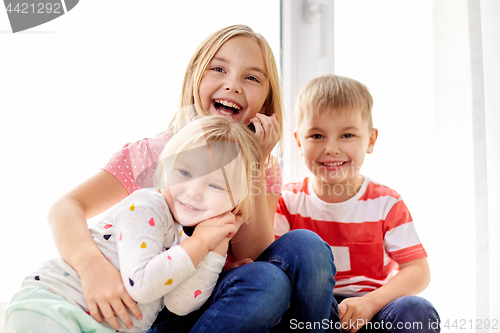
(26, 14)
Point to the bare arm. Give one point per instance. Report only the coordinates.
(254, 237)
(68, 216)
(413, 278)
(102, 286)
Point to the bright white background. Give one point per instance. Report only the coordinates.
(74, 90)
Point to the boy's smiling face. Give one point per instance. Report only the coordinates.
(334, 146)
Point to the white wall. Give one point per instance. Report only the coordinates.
(490, 11)
(75, 90)
(454, 214)
(462, 79)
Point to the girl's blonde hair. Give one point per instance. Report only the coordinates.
(196, 69)
(334, 93)
(217, 129)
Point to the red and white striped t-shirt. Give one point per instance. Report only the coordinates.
(370, 234)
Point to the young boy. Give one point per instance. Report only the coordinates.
(379, 258)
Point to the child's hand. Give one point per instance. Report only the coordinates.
(238, 263)
(105, 295)
(267, 132)
(222, 247)
(212, 231)
(354, 313)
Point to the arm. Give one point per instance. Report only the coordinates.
(191, 294)
(150, 272)
(254, 237)
(282, 218)
(147, 270)
(101, 282)
(216, 232)
(411, 280)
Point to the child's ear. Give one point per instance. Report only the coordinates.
(372, 140)
(297, 141)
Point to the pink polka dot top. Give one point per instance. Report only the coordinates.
(134, 165)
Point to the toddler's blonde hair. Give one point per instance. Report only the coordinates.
(216, 129)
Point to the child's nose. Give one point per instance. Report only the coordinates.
(332, 148)
(232, 84)
(194, 191)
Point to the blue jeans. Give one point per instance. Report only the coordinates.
(291, 281)
(405, 314)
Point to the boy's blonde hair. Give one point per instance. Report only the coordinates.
(216, 129)
(334, 93)
(195, 71)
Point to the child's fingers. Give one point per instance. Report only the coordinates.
(226, 218)
(94, 312)
(275, 128)
(345, 319)
(122, 313)
(132, 306)
(232, 229)
(274, 121)
(238, 263)
(219, 226)
(342, 309)
(259, 129)
(227, 230)
(271, 128)
(265, 122)
(109, 316)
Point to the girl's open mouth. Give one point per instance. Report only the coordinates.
(226, 108)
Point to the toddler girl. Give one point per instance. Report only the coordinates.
(203, 175)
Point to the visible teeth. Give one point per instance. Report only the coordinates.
(189, 206)
(225, 113)
(227, 103)
(334, 164)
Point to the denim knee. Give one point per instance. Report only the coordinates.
(256, 286)
(301, 249)
(415, 308)
(414, 312)
(249, 298)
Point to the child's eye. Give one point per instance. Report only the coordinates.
(185, 173)
(317, 136)
(347, 136)
(217, 187)
(253, 78)
(218, 69)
